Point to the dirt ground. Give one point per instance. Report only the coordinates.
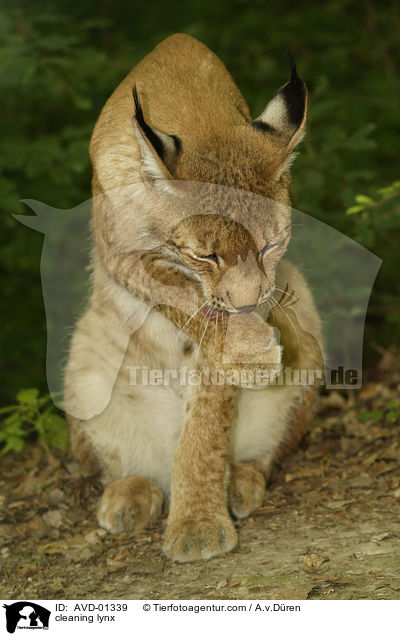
(329, 527)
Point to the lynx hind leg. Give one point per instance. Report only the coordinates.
(129, 503)
(246, 489)
(301, 417)
(82, 448)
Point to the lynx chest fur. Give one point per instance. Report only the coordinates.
(173, 387)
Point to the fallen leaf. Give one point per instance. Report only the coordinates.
(336, 505)
(16, 504)
(122, 555)
(313, 561)
(53, 548)
(76, 554)
(113, 564)
(303, 473)
(361, 481)
(95, 536)
(53, 518)
(377, 538)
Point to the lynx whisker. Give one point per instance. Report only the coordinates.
(287, 293)
(202, 338)
(289, 319)
(192, 316)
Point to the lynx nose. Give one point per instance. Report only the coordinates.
(246, 308)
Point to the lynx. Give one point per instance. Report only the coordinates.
(191, 219)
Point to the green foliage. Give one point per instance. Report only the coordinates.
(60, 61)
(376, 218)
(389, 415)
(376, 225)
(31, 414)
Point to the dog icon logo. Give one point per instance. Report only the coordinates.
(26, 615)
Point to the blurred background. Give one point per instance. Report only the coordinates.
(59, 61)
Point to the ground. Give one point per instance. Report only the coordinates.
(329, 527)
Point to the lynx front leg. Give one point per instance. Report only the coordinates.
(199, 525)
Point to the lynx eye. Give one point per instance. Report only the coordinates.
(268, 248)
(209, 257)
(212, 257)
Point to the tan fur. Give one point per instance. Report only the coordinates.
(133, 502)
(246, 489)
(155, 221)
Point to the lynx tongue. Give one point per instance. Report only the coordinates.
(212, 313)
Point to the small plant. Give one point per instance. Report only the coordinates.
(388, 415)
(32, 414)
(376, 215)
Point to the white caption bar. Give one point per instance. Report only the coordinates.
(128, 617)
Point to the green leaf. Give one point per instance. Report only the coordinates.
(13, 443)
(377, 415)
(44, 400)
(8, 409)
(32, 414)
(28, 396)
(364, 200)
(391, 417)
(354, 209)
(14, 421)
(56, 431)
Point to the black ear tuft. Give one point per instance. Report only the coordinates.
(293, 69)
(295, 94)
(145, 128)
(285, 114)
(160, 151)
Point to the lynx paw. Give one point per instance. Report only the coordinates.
(246, 490)
(128, 503)
(203, 538)
(251, 340)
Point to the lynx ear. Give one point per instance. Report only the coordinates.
(159, 151)
(285, 114)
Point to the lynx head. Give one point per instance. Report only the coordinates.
(183, 173)
(226, 187)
